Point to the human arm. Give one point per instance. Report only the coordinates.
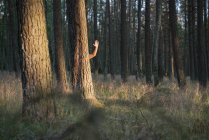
(92, 55)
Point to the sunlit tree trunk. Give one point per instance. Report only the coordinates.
(35, 60)
(82, 70)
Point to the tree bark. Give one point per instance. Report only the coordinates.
(13, 36)
(156, 41)
(138, 49)
(124, 50)
(202, 64)
(59, 53)
(35, 60)
(175, 44)
(148, 48)
(96, 61)
(81, 70)
(72, 35)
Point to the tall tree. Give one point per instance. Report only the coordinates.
(156, 40)
(82, 72)
(201, 51)
(96, 63)
(138, 49)
(175, 43)
(190, 40)
(124, 50)
(13, 36)
(72, 34)
(148, 48)
(58, 38)
(35, 60)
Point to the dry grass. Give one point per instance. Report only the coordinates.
(132, 111)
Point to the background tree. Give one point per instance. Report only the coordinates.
(138, 53)
(148, 48)
(72, 35)
(201, 51)
(175, 43)
(156, 40)
(60, 57)
(124, 50)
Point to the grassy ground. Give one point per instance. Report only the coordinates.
(132, 111)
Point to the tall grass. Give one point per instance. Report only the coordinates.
(132, 111)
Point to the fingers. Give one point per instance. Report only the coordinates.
(96, 43)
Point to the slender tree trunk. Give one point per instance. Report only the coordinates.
(13, 36)
(72, 35)
(148, 48)
(156, 40)
(138, 49)
(175, 44)
(35, 60)
(106, 38)
(124, 50)
(58, 38)
(190, 38)
(96, 61)
(202, 64)
(111, 48)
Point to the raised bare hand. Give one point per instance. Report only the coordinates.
(96, 43)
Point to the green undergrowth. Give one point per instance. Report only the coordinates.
(131, 111)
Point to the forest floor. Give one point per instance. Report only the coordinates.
(132, 111)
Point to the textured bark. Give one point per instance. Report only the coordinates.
(59, 53)
(124, 50)
(175, 44)
(201, 52)
(148, 48)
(82, 71)
(156, 41)
(35, 60)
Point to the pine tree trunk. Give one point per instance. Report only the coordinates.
(175, 44)
(35, 60)
(156, 41)
(59, 53)
(72, 35)
(96, 61)
(138, 49)
(202, 64)
(190, 38)
(148, 48)
(13, 36)
(124, 49)
(82, 70)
